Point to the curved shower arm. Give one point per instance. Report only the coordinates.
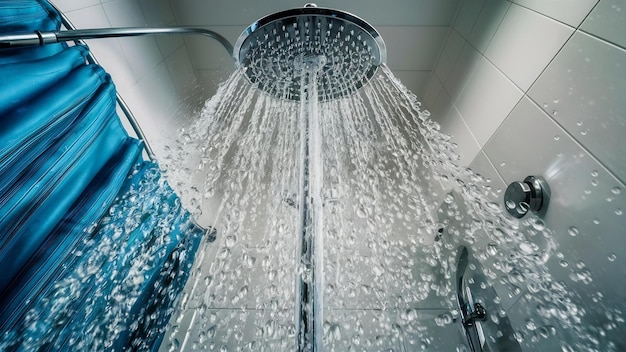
(42, 38)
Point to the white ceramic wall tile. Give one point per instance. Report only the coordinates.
(525, 43)
(441, 107)
(181, 72)
(523, 312)
(486, 100)
(168, 44)
(157, 12)
(571, 12)
(415, 81)
(364, 330)
(607, 21)
(153, 101)
(210, 79)
(487, 23)
(483, 166)
(449, 55)
(453, 124)
(110, 55)
(203, 333)
(583, 90)
(88, 17)
(462, 70)
(208, 54)
(71, 5)
(468, 14)
(585, 200)
(412, 47)
(124, 13)
(142, 54)
(431, 91)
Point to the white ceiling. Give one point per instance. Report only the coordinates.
(414, 31)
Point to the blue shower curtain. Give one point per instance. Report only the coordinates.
(94, 245)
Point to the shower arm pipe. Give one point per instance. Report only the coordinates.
(42, 38)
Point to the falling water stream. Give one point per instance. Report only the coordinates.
(338, 215)
(376, 172)
(337, 225)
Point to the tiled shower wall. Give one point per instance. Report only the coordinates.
(153, 74)
(534, 87)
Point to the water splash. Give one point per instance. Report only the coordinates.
(387, 171)
(118, 286)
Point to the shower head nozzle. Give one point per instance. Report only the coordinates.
(344, 50)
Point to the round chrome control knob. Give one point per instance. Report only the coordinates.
(520, 197)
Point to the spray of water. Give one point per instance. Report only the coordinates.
(387, 170)
(142, 247)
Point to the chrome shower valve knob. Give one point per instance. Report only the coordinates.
(528, 195)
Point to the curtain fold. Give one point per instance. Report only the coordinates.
(95, 247)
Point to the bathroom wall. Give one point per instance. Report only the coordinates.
(153, 74)
(413, 31)
(530, 87)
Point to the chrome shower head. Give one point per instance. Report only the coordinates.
(275, 50)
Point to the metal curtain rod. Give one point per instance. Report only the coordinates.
(42, 38)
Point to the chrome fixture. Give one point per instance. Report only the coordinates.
(473, 293)
(345, 49)
(309, 55)
(472, 313)
(532, 194)
(42, 38)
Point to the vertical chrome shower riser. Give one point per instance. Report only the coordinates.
(310, 280)
(310, 55)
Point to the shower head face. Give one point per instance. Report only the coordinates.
(343, 50)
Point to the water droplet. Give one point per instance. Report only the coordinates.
(564, 263)
(526, 248)
(557, 137)
(492, 249)
(360, 212)
(595, 182)
(539, 225)
(573, 231)
(223, 253)
(579, 123)
(612, 257)
(594, 173)
(524, 207)
(231, 240)
(616, 190)
(556, 101)
(584, 132)
(618, 212)
(596, 221)
(503, 163)
(530, 325)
